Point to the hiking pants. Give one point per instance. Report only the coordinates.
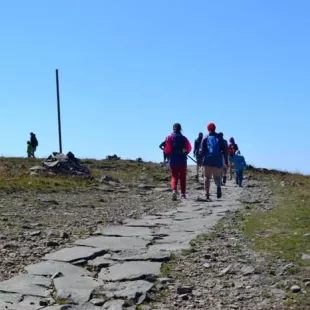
(178, 172)
(217, 175)
(239, 177)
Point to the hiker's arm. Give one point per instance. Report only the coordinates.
(225, 152)
(162, 145)
(202, 146)
(168, 147)
(196, 148)
(188, 146)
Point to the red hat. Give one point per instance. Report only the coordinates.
(211, 127)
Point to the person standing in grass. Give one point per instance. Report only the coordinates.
(34, 142)
(197, 154)
(240, 165)
(29, 150)
(177, 148)
(213, 151)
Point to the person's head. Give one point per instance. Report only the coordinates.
(232, 140)
(211, 127)
(31, 134)
(28, 142)
(200, 135)
(177, 128)
(221, 135)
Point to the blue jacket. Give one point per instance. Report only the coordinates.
(214, 151)
(239, 161)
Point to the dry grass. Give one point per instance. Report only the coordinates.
(14, 174)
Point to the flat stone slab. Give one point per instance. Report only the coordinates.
(113, 244)
(177, 237)
(116, 304)
(124, 231)
(158, 256)
(74, 288)
(127, 289)
(7, 300)
(149, 222)
(50, 267)
(101, 262)
(74, 254)
(181, 216)
(27, 285)
(85, 306)
(170, 247)
(130, 271)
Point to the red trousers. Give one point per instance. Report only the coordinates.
(178, 172)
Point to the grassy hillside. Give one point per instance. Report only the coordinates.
(14, 174)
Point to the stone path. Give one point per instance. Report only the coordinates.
(119, 265)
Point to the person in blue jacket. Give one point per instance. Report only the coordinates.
(214, 153)
(240, 165)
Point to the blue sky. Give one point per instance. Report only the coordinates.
(129, 69)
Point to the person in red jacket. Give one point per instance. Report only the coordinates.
(177, 148)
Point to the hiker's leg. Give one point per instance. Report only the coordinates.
(237, 176)
(224, 174)
(208, 175)
(174, 177)
(217, 173)
(182, 175)
(240, 177)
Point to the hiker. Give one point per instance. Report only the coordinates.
(34, 142)
(29, 149)
(177, 147)
(213, 151)
(224, 170)
(162, 147)
(232, 149)
(197, 155)
(240, 165)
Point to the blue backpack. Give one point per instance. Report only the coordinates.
(213, 146)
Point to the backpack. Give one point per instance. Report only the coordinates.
(233, 148)
(213, 146)
(178, 144)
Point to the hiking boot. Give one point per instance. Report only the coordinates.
(219, 193)
(183, 196)
(224, 180)
(207, 196)
(174, 196)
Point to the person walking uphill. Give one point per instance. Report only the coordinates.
(34, 142)
(224, 170)
(240, 165)
(213, 151)
(197, 154)
(177, 147)
(162, 147)
(232, 149)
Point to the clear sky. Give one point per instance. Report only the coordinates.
(129, 69)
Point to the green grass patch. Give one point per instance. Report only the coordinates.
(281, 231)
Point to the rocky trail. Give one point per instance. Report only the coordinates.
(138, 249)
(116, 266)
